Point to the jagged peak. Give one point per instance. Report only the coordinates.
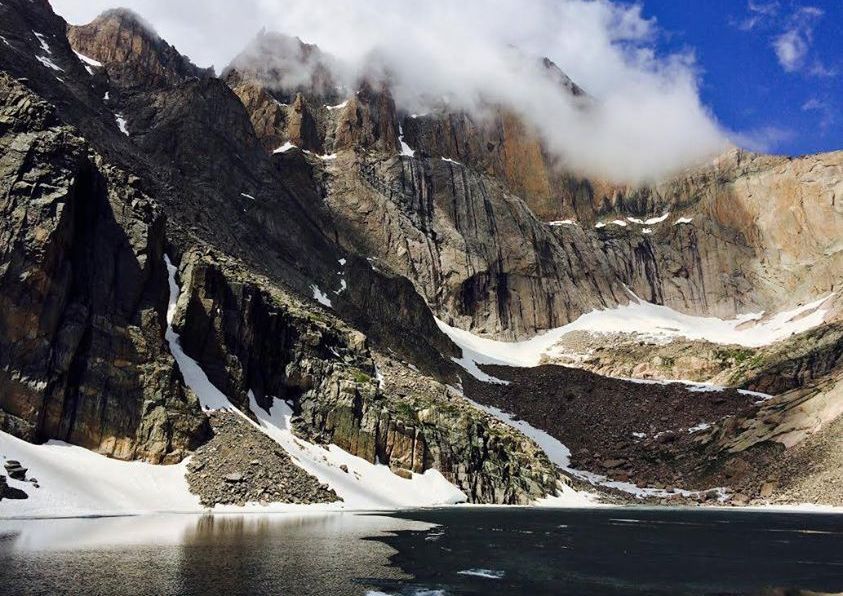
(127, 16)
(286, 65)
(132, 51)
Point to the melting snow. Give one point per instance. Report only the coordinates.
(338, 106)
(49, 63)
(87, 60)
(405, 148)
(321, 297)
(699, 427)
(88, 63)
(655, 220)
(44, 45)
(619, 222)
(285, 147)
(645, 318)
(121, 124)
(449, 160)
(74, 481)
(484, 573)
(365, 485)
(599, 224)
(560, 455)
(647, 231)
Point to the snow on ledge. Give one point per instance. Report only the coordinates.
(321, 297)
(121, 124)
(338, 106)
(285, 147)
(750, 330)
(405, 148)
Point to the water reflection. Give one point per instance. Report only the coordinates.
(448, 551)
(181, 554)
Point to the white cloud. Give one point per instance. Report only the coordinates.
(758, 13)
(791, 48)
(766, 139)
(647, 121)
(824, 109)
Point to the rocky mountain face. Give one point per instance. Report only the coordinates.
(85, 287)
(137, 57)
(83, 297)
(318, 229)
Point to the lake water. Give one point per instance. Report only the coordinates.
(439, 551)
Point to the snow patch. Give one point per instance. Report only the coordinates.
(683, 220)
(121, 124)
(88, 63)
(74, 481)
(44, 45)
(247, 196)
(365, 485)
(699, 427)
(405, 148)
(599, 224)
(320, 296)
(449, 160)
(655, 220)
(484, 573)
(750, 330)
(562, 222)
(647, 231)
(285, 147)
(560, 455)
(338, 106)
(49, 63)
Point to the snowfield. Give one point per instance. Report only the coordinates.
(650, 320)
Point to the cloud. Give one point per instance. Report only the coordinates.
(765, 139)
(825, 110)
(646, 121)
(758, 13)
(791, 48)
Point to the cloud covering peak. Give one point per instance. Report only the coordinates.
(645, 121)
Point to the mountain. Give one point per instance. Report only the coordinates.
(284, 239)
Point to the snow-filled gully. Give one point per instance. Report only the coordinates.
(74, 481)
(364, 486)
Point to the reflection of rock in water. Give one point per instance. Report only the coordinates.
(303, 554)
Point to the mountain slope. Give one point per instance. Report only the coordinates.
(317, 233)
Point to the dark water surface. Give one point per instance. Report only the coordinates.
(439, 551)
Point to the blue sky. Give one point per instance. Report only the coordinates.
(770, 70)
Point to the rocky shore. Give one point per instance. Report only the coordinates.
(241, 465)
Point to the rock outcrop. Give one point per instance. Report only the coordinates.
(252, 337)
(82, 297)
(136, 58)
